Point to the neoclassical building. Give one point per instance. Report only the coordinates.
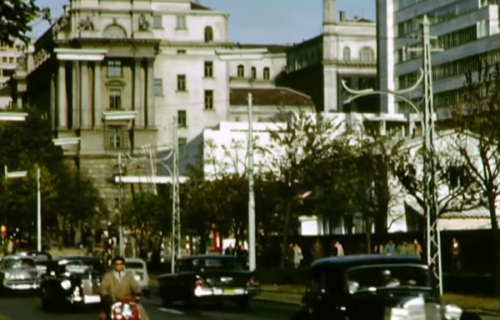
(113, 74)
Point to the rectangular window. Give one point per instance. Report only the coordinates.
(181, 22)
(181, 82)
(158, 87)
(115, 137)
(157, 21)
(115, 99)
(181, 118)
(209, 99)
(182, 142)
(114, 68)
(181, 51)
(11, 59)
(209, 69)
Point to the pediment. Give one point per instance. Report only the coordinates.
(115, 83)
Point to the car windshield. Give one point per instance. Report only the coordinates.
(372, 278)
(134, 265)
(19, 263)
(77, 266)
(217, 264)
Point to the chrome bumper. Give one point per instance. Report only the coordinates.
(21, 284)
(225, 292)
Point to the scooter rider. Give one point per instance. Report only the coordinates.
(118, 284)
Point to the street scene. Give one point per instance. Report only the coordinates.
(221, 159)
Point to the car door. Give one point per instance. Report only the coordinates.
(314, 296)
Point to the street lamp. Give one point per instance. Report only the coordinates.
(427, 123)
(22, 174)
(119, 170)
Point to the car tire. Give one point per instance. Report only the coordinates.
(243, 303)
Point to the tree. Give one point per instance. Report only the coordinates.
(477, 122)
(17, 15)
(456, 191)
(293, 152)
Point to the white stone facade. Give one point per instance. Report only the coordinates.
(9, 55)
(467, 30)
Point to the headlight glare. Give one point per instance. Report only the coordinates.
(8, 276)
(66, 284)
(399, 314)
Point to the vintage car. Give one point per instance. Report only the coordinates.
(18, 273)
(71, 281)
(213, 278)
(374, 287)
(139, 269)
(41, 260)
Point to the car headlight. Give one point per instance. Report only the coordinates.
(66, 284)
(126, 311)
(8, 276)
(452, 312)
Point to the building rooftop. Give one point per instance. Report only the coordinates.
(269, 97)
(197, 6)
(272, 48)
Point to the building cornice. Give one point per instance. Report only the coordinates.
(68, 54)
(357, 64)
(111, 41)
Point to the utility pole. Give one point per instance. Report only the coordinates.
(120, 195)
(176, 211)
(38, 211)
(252, 257)
(153, 171)
(430, 196)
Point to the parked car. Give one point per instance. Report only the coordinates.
(41, 260)
(372, 287)
(139, 269)
(18, 273)
(209, 278)
(71, 281)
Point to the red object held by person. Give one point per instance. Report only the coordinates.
(125, 309)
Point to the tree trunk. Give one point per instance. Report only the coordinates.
(496, 242)
(285, 234)
(368, 232)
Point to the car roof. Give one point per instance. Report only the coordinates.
(16, 256)
(60, 258)
(358, 259)
(209, 256)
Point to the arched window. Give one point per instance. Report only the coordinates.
(209, 34)
(347, 54)
(254, 73)
(267, 73)
(367, 55)
(114, 31)
(241, 71)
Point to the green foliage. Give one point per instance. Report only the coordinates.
(16, 18)
(147, 212)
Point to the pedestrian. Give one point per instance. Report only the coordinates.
(455, 256)
(317, 250)
(390, 248)
(417, 249)
(297, 256)
(229, 251)
(337, 249)
(290, 255)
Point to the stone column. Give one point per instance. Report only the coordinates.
(138, 99)
(75, 95)
(85, 106)
(53, 104)
(62, 100)
(150, 94)
(97, 95)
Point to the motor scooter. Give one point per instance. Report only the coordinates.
(126, 309)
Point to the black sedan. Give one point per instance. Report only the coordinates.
(209, 278)
(71, 281)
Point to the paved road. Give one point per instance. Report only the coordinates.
(24, 308)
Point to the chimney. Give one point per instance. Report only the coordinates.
(342, 16)
(329, 11)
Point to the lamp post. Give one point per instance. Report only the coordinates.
(427, 123)
(119, 171)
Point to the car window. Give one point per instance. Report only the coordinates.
(77, 266)
(134, 265)
(19, 263)
(217, 264)
(386, 276)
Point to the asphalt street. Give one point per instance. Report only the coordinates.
(26, 308)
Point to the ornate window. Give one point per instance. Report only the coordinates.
(241, 71)
(181, 22)
(115, 99)
(347, 54)
(267, 73)
(181, 82)
(367, 55)
(158, 87)
(209, 34)
(157, 21)
(209, 69)
(181, 118)
(114, 31)
(254, 73)
(209, 99)
(115, 137)
(114, 68)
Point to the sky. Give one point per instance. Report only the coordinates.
(261, 21)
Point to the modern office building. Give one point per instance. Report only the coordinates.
(466, 30)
